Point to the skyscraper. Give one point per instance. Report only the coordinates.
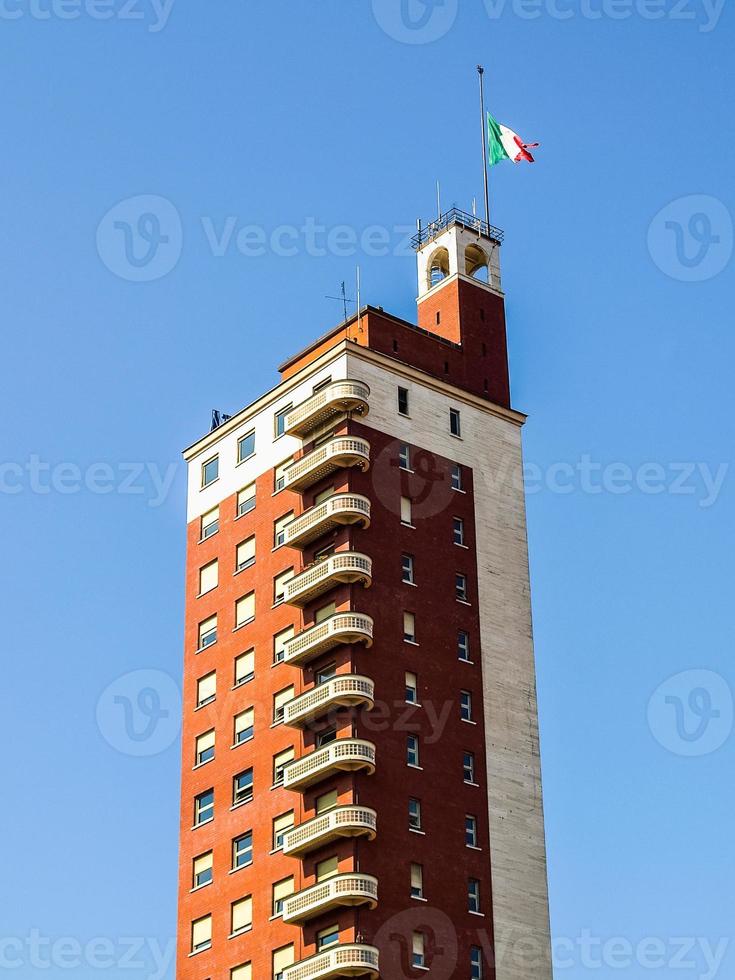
(361, 789)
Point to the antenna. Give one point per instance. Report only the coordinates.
(342, 298)
(357, 283)
(438, 201)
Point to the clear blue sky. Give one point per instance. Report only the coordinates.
(274, 114)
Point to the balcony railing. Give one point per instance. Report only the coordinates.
(342, 627)
(342, 821)
(343, 960)
(333, 400)
(344, 755)
(334, 455)
(341, 509)
(342, 567)
(340, 691)
(348, 889)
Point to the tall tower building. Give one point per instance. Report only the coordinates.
(361, 785)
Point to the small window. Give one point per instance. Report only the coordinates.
(323, 495)
(282, 958)
(458, 530)
(404, 456)
(210, 523)
(206, 689)
(204, 748)
(455, 423)
(326, 736)
(202, 870)
(465, 705)
(281, 826)
(409, 627)
(279, 529)
(456, 476)
(407, 569)
(244, 667)
(242, 850)
(473, 895)
(327, 937)
(281, 891)
(245, 554)
(209, 577)
(417, 881)
(412, 750)
(246, 500)
(412, 695)
(244, 972)
(246, 446)
(406, 511)
(241, 915)
(244, 726)
(438, 317)
(414, 814)
(418, 950)
(468, 766)
(327, 868)
(321, 384)
(207, 632)
(210, 471)
(460, 585)
(470, 830)
(403, 401)
(327, 801)
(324, 674)
(280, 761)
(325, 552)
(280, 699)
(242, 787)
(203, 807)
(324, 612)
(201, 934)
(279, 644)
(279, 476)
(476, 960)
(279, 420)
(463, 646)
(279, 585)
(245, 609)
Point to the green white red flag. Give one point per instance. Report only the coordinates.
(504, 144)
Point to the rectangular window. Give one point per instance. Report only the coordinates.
(246, 500)
(460, 586)
(325, 552)
(206, 689)
(404, 456)
(326, 736)
(456, 476)
(418, 955)
(203, 807)
(279, 644)
(323, 495)
(204, 748)
(409, 627)
(324, 674)
(201, 934)
(202, 871)
(414, 814)
(245, 609)
(465, 705)
(458, 530)
(279, 529)
(244, 972)
(403, 401)
(327, 801)
(406, 510)
(279, 477)
(279, 420)
(246, 446)
(242, 787)
(412, 694)
(280, 761)
(407, 569)
(463, 646)
(473, 895)
(470, 830)
(244, 726)
(241, 915)
(209, 577)
(279, 585)
(327, 868)
(468, 766)
(281, 891)
(455, 424)
(282, 958)
(210, 471)
(281, 826)
(417, 881)
(207, 632)
(475, 963)
(210, 523)
(327, 937)
(244, 667)
(245, 554)
(242, 850)
(280, 699)
(412, 750)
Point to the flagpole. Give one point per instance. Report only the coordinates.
(483, 131)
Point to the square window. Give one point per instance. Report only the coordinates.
(460, 586)
(465, 705)
(326, 737)
(210, 471)
(403, 401)
(246, 500)
(455, 425)
(468, 766)
(244, 667)
(473, 895)
(324, 612)
(463, 646)
(242, 787)
(409, 627)
(242, 850)
(202, 870)
(203, 807)
(470, 830)
(404, 456)
(246, 446)
(210, 523)
(456, 476)
(412, 695)
(414, 814)
(407, 569)
(204, 748)
(412, 750)
(279, 420)
(417, 881)
(207, 632)
(458, 530)
(327, 868)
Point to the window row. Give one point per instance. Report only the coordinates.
(455, 418)
(405, 454)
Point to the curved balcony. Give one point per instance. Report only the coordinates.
(342, 627)
(329, 403)
(342, 821)
(337, 511)
(343, 567)
(344, 755)
(340, 691)
(344, 960)
(343, 890)
(334, 455)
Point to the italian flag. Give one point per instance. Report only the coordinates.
(504, 144)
